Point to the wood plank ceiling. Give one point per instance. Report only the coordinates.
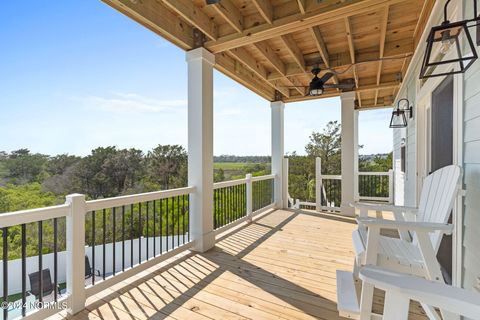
(270, 46)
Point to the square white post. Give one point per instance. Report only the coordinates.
(200, 146)
(318, 184)
(75, 225)
(277, 109)
(349, 152)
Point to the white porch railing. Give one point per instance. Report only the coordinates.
(125, 235)
(372, 186)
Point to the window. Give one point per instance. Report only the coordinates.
(402, 158)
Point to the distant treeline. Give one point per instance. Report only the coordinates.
(241, 159)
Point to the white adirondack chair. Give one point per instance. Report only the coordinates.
(426, 224)
(401, 288)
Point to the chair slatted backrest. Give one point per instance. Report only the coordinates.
(47, 285)
(438, 196)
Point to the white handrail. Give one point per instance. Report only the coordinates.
(265, 177)
(366, 173)
(33, 215)
(331, 176)
(136, 198)
(230, 183)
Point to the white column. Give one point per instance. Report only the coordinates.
(200, 146)
(75, 228)
(318, 184)
(278, 108)
(349, 152)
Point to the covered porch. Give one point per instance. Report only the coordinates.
(281, 266)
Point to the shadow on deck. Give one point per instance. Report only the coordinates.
(282, 266)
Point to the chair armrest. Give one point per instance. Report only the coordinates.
(97, 272)
(380, 207)
(406, 225)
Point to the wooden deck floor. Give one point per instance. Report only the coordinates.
(280, 267)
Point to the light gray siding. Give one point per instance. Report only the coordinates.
(471, 147)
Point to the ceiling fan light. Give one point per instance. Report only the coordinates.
(316, 92)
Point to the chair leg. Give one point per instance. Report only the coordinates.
(396, 306)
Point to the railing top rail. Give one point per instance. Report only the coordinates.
(265, 177)
(374, 173)
(136, 198)
(230, 183)
(33, 215)
(332, 176)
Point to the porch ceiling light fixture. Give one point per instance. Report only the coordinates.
(399, 119)
(450, 44)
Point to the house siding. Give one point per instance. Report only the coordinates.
(471, 159)
(405, 184)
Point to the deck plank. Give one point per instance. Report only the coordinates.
(282, 266)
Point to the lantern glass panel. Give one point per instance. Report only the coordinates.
(398, 120)
(450, 50)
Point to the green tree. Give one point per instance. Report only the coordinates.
(327, 145)
(24, 167)
(167, 166)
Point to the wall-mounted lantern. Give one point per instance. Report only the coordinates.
(450, 44)
(399, 119)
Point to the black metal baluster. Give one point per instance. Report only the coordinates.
(215, 209)
(40, 260)
(114, 238)
(146, 236)
(5, 270)
(178, 221)
(140, 233)
(173, 223)
(188, 215)
(24, 269)
(183, 217)
(103, 244)
(55, 258)
(224, 213)
(93, 247)
(154, 231)
(166, 224)
(123, 238)
(161, 225)
(131, 235)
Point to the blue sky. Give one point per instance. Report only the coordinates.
(77, 74)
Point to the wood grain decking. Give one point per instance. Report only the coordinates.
(280, 267)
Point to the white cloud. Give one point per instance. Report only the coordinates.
(132, 103)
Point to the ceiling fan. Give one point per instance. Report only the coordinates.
(318, 85)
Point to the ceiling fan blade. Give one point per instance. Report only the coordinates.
(326, 77)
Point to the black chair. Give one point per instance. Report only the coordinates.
(47, 284)
(89, 270)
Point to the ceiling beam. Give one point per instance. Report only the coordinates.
(333, 11)
(278, 64)
(230, 13)
(265, 8)
(383, 35)
(193, 15)
(156, 17)
(351, 49)
(250, 62)
(235, 70)
(294, 51)
(322, 49)
(271, 57)
(302, 6)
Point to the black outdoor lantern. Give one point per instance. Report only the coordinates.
(399, 119)
(449, 44)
